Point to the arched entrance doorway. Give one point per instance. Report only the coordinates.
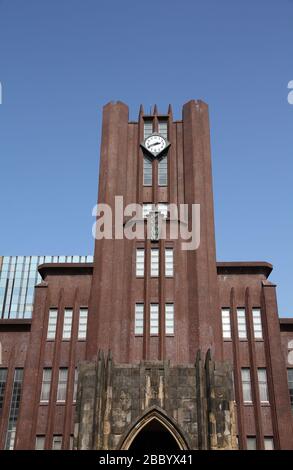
(154, 431)
(154, 437)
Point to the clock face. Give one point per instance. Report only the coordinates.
(155, 144)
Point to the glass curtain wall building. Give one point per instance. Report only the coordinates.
(18, 277)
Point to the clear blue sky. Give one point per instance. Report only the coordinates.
(62, 60)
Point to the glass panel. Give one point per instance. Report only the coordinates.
(52, 323)
(148, 128)
(40, 443)
(263, 386)
(140, 262)
(246, 385)
(154, 318)
(163, 128)
(226, 326)
(14, 409)
(57, 443)
(147, 172)
(3, 377)
(139, 313)
(46, 384)
(67, 323)
(169, 262)
(251, 443)
(62, 384)
(82, 324)
(163, 172)
(154, 262)
(241, 323)
(257, 325)
(169, 319)
(269, 443)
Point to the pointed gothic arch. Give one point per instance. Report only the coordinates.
(155, 419)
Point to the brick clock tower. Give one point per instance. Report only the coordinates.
(153, 346)
(154, 307)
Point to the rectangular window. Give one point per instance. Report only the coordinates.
(154, 262)
(71, 442)
(46, 384)
(82, 323)
(52, 323)
(246, 385)
(154, 318)
(14, 409)
(226, 323)
(67, 324)
(263, 385)
(169, 319)
(241, 323)
(290, 384)
(40, 443)
(3, 378)
(139, 311)
(251, 443)
(163, 172)
(62, 384)
(147, 172)
(57, 443)
(75, 384)
(257, 326)
(147, 128)
(269, 443)
(163, 128)
(169, 262)
(140, 262)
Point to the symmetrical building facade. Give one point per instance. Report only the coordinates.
(150, 343)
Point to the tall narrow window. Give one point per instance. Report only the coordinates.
(154, 319)
(163, 128)
(75, 384)
(163, 172)
(3, 378)
(226, 323)
(257, 326)
(14, 409)
(269, 443)
(290, 384)
(263, 385)
(154, 262)
(82, 323)
(52, 323)
(139, 311)
(40, 443)
(46, 384)
(147, 172)
(140, 262)
(67, 324)
(251, 443)
(241, 323)
(246, 385)
(169, 319)
(62, 384)
(57, 442)
(169, 262)
(147, 128)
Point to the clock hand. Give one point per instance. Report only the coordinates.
(156, 143)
